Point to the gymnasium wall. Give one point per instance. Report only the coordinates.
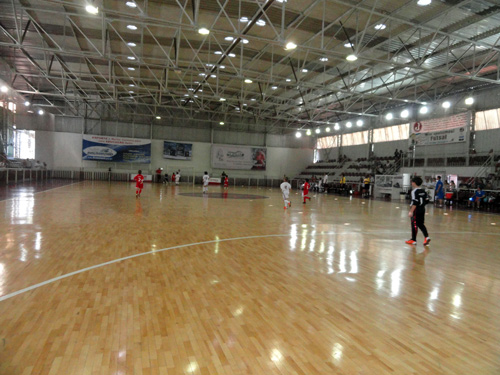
(63, 149)
(382, 149)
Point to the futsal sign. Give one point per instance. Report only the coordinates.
(116, 149)
(239, 157)
(452, 129)
(178, 151)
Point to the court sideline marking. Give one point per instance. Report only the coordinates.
(44, 191)
(35, 286)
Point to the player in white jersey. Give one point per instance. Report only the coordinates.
(206, 177)
(285, 189)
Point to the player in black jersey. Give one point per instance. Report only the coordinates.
(419, 199)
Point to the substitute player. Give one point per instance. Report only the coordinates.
(305, 191)
(206, 177)
(285, 190)
(139, 184)
(419, 199)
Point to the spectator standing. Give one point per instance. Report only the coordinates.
(439, 192)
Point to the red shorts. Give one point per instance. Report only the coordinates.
(141, 186)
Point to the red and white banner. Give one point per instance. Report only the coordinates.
(444, 130)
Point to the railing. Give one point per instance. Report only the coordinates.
(473, 160)
(19, 175)
(15, 175)
(485, 169)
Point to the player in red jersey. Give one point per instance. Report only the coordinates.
(306, 190)
(226, 182)
(139, 184)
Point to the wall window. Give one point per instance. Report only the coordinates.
(24, 144)
(327, 142)
(353, 139)
(487, 120)
(391, 133)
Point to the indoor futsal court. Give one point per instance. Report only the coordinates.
(176, 282)
(232, 187)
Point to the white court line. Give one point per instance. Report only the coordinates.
(44, 191)
(21, 291)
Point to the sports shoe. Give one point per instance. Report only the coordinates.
(427, 241)
(289, 204)
(411, 242)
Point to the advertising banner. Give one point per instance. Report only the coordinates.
(116, 149)
(178, 151)
(239, 157)
(451, 129)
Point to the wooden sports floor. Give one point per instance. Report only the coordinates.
(215, 285)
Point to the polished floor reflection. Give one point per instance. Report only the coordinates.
(242, 286)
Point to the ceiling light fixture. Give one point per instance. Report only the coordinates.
(389, 116)
(423, 3)
(349, 124)
(323, 59)
(131, 4)
(131, 57)
(348, 45)
(244, 19)
(229, 38)
(232, 55)
(261, 23)
(222, 99)
(304, 70)
(298, 134)
(380, 26)
(351, 58)
(248, 80)
(318, 131)
(446, 105)
(41, 112)
(469, 100)
(221, 123)
(131, 27)
(92, 9)
(158, 117)
(131, 44)
(4, 89)
(327, 130)
(130, 68)
(423, 110)
(308, 132)
(218, 52)
(337, 126)
(290, 45)
(245, 41)
(274, 87)
(203, 31)
(27, 104)
(405, 113)
(359, 123)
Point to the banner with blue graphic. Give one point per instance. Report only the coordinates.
(116, 149)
